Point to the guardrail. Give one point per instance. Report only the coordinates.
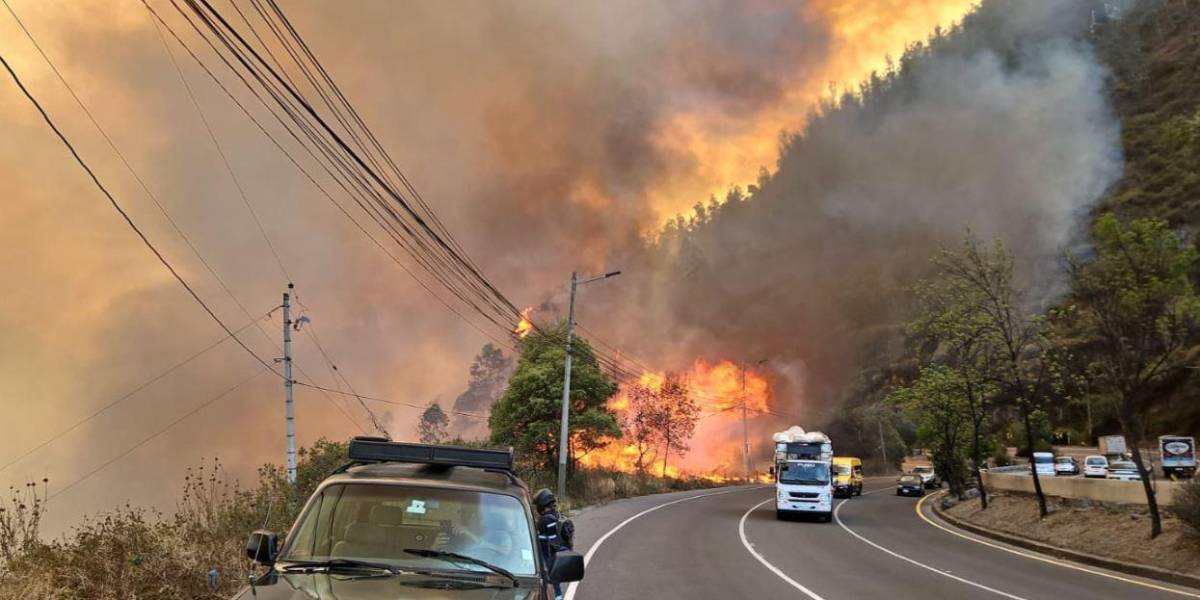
(1098, 490)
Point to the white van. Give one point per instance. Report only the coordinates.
(1095, 465)
(1044, 463)
(804, 486)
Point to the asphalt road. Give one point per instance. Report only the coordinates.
(726, 543)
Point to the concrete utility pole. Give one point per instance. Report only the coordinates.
(879, 421)
(288, 411)
(745, 429)
(745, 425)
(564, 429)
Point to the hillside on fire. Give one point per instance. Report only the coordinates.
(1021, 124)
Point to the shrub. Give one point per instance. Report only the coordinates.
(1187, 508)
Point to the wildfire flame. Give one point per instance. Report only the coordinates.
(716, 445)
(524, 326)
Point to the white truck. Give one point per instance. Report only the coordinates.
(803, 474)
(1112, 446)
(1178, 455)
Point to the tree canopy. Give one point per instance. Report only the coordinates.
(528, 415)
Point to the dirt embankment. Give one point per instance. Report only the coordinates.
(1117, 532)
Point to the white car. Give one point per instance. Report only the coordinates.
(1065, 465)
(1095, 465)
(1123, 470)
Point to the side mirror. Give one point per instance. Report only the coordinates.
(262, 547)
(771, 471)
(568, 567)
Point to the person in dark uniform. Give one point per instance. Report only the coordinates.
(555, 533)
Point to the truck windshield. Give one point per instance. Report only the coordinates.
(378, 523)
(804, 473)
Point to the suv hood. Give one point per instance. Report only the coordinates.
(341, 586)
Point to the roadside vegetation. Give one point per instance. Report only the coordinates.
(196, 551)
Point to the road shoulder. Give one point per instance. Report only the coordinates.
(1140, 570)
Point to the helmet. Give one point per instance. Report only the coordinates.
(543, 498)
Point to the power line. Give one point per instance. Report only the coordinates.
(124, 397)
(154, 198)
(128, 220)
(161, 431)
(221, 152)
(386, 401)
(346, 186)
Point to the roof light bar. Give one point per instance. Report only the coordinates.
(373, 449)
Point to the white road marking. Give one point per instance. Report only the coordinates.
(764, 561)
(1056, 562)
(917, 563)
(569, 593)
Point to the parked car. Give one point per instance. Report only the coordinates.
(1095, 465)
(1044, 463)
(1066, 465)
(1123, 470)
(910, 485)
(928, 476)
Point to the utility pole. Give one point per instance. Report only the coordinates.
(564, 429)
(288, 410)
(745, 425)
(879, 421)
(745, 429)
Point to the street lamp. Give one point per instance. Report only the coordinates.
(566, 397)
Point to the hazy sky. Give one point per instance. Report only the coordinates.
(541, 132)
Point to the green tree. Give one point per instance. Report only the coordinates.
(432, 427)
(528, 415)
(1136, 297)
(1019, 360)
(936, 401)
(488, 375)
(952, 321)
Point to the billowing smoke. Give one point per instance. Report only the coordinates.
(1003, 129)
(550, 138)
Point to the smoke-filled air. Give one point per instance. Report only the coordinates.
(769, 177)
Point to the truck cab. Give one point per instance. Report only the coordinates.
(804, 487)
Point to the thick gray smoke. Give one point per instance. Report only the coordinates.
(1004, 128)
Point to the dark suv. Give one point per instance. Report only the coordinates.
(411, 521)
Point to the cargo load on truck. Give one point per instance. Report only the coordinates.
(1112, 446)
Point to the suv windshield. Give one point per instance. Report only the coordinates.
(379, 523)
(1064, 460)
(1096, 461)
(804, 473)
(922, 469)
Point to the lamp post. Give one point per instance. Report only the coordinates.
(566, 397)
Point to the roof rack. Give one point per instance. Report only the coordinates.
(368, 449)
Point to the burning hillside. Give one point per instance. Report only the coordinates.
(708, 396)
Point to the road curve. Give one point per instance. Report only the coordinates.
(726, 543)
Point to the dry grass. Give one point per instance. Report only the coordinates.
(132, 553)
(1118, 532)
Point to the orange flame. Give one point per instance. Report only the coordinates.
(716, 445)
(524, 326)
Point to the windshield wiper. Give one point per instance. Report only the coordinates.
(454, 556)
(341, 563)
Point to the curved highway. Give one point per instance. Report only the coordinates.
(726, 543)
